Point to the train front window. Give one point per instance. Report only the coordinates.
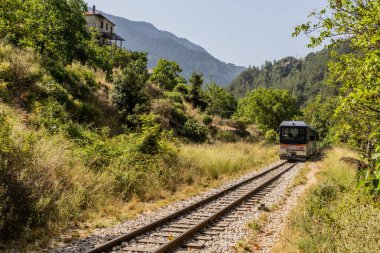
(293, 134)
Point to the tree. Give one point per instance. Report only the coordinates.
(357, 73)
(266, 107)
(166, 74)
(52, 27)
(320, 114)
(196, 94)
(219, 101)
(129, 87)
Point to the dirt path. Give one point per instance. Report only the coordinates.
(271, 232)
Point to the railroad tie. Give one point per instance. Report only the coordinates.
(152, 241)
(210, 233)
(134, 249)
(187, 226)
(195, 245)
(162, 234)
(204, 238)
(176, 230)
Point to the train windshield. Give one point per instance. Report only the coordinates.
(293, 135)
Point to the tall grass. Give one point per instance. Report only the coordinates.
(43, 183)
(223, 159)
(335, 216)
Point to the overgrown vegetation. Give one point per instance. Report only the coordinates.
(355, 74)
(335, 216)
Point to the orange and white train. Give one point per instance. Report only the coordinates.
(298, 140)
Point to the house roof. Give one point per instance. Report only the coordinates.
(90, 13)
(112, 36)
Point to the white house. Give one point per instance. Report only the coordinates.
(104, 26)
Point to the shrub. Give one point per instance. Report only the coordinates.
(207, 120)
(182, 88)
(81, 80)
(51, 115)
(195, 132)
(271, 136)
(227, 136)
(179, 116)
(164, 109)
(175, 97)
(129, 88)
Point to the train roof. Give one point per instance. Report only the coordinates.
(295, 123)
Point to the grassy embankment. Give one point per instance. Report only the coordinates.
(51, 179)
(333, 216)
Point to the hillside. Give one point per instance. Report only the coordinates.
(143, 36)
(304, 77)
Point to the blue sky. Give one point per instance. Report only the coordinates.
(243, 32)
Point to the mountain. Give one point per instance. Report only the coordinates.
(143, 36)
(304, 78)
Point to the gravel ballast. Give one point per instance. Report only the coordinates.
(222, 243)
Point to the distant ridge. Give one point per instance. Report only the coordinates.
(143, 36)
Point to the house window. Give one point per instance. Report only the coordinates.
(111, 29)
(107, 26)
(101, 24)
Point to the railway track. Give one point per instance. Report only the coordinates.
(198, 223)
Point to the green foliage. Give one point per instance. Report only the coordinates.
(354, 73)
(166, 74)
(272, 136)
(108, 57)
(174, 97)
(81, 80)
(196, 94)
(194, 131)
(129, 88)
(219, 101)
(179, 116)
(207, 120)
(319, 113)
(370, 178)
(266, 107)
(227, 136)
(148, 142)
(182, 88)
(53, 27)
(303, 78)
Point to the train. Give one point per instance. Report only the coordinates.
(298, 140)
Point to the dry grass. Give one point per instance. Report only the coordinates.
(224, 159)
(333, 216)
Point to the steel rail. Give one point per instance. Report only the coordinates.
(139, 231)
(178, 241)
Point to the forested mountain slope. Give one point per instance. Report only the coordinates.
(302, 77)
(143, 36)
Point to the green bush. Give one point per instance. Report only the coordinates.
(179, 116)
(207, 120)
(271, 136)
(227, 136)
(182, 88)
(194, 131)
(174, 97)
(80, 80)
